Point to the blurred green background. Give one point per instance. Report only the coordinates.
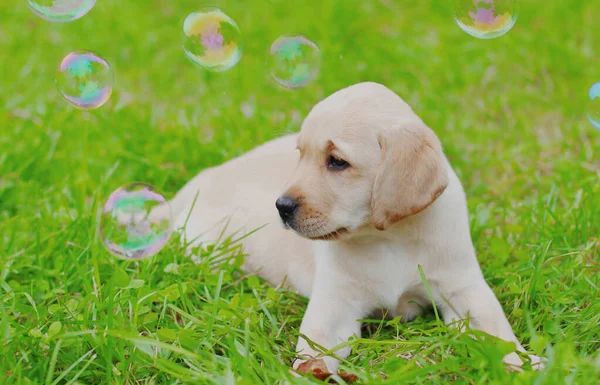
(510, 113)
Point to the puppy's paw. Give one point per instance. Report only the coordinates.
(537, 363)
(513, 362)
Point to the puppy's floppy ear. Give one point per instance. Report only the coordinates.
(412, 174)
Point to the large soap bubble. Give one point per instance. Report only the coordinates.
(212, 40)
(85, 80)
(136, 222)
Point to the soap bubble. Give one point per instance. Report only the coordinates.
(212, 40)
(293, 61)
(60, 11)
(485, 19)
(136, 222)
(85, 80)
(593, 107)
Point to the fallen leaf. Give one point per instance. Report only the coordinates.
(310, 366)
(319, 370)
(324, 376)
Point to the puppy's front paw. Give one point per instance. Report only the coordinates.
(513, 362)
(537, 363)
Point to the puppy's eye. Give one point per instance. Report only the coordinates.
(337, 164)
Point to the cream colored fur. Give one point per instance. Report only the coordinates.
(360, 233)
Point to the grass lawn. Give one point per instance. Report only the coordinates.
(510, 113)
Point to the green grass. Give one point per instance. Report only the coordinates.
(509, 111)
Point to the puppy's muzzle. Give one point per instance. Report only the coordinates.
(287, 207)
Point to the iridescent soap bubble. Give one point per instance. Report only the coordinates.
(485, 19)
(85, 80)
(593, 107)
(212, 40)
(136, 222)
(293, 61)
(60, 11)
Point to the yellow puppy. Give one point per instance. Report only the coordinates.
(370, 196)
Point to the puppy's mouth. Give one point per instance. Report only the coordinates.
(332, 236)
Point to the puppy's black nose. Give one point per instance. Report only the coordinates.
(287, 207)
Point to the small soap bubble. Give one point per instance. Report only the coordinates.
(485, 19)
(60, 11)
(212, 40)
(293, 61)
(593, 107)
(85, 80)
(135, 222)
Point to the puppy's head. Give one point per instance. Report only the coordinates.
(365, 159)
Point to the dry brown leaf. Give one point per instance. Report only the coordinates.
(319, 370)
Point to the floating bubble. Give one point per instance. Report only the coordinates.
(485, 19)
(136, 222)
(60, 11)
(293, 61)
(85, 80)
(212, 40)
(593, 107)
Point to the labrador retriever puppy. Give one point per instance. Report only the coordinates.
(367, 198)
